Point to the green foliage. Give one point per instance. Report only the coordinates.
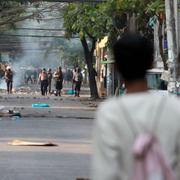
(85, 20)
(72, 53)
(156, 7)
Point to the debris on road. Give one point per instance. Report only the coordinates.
(29, 143)
(40, 105)
(9, 113)
(70, 92)
(15, 118)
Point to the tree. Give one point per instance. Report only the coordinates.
(90, 24)
(171, 32)
(157, 9)
(141, 11)
(14, 11)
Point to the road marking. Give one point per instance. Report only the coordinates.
(53, 107)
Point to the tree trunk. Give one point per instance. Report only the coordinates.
(171, 33)
(89, 61)
(160, 30)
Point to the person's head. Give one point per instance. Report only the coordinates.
(8, 68)
(133, 55)
(44, 70)
(49, 70)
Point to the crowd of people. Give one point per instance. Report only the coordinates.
(46, 77)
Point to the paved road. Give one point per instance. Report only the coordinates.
(67, 122)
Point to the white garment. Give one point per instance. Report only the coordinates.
(114, 138)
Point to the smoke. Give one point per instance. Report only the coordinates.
(37, 52)
(39, 48)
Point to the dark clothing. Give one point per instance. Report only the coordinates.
(50, 76)
(49, 86)
(44, 85)
(78, 84)
(58, 77)
(9, 86)
(58, 85)
(9, 80)
(9, 75)
(43, 77)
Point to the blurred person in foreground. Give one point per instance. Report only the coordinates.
(9, 79)
(119, 117)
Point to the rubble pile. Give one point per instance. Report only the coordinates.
(24, 90)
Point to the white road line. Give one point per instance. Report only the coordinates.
(53, 107)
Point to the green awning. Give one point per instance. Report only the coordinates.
(107, 62)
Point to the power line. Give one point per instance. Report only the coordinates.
(29, 49)
(10, 20)
(40, 29)
(16, 43)
(69, 1)
(35, 36)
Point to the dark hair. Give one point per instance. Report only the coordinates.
(133, 55)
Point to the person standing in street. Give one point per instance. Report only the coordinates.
(74, 75)
(43, 78)
(121, 120)
(9, 79)
(50, 76)
(78, 82)
(58, 77)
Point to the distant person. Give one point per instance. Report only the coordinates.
(58, 78)
(121, 120)
(35, 74)
(74, 75)
(50, 76)
(78, 82)
(9, 79)
(43, 78)
(29, 77)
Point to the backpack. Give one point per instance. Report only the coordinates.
(149, 161)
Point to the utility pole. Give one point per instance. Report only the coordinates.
(172, 35)
(177, 3)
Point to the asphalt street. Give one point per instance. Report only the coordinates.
(67, 122)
